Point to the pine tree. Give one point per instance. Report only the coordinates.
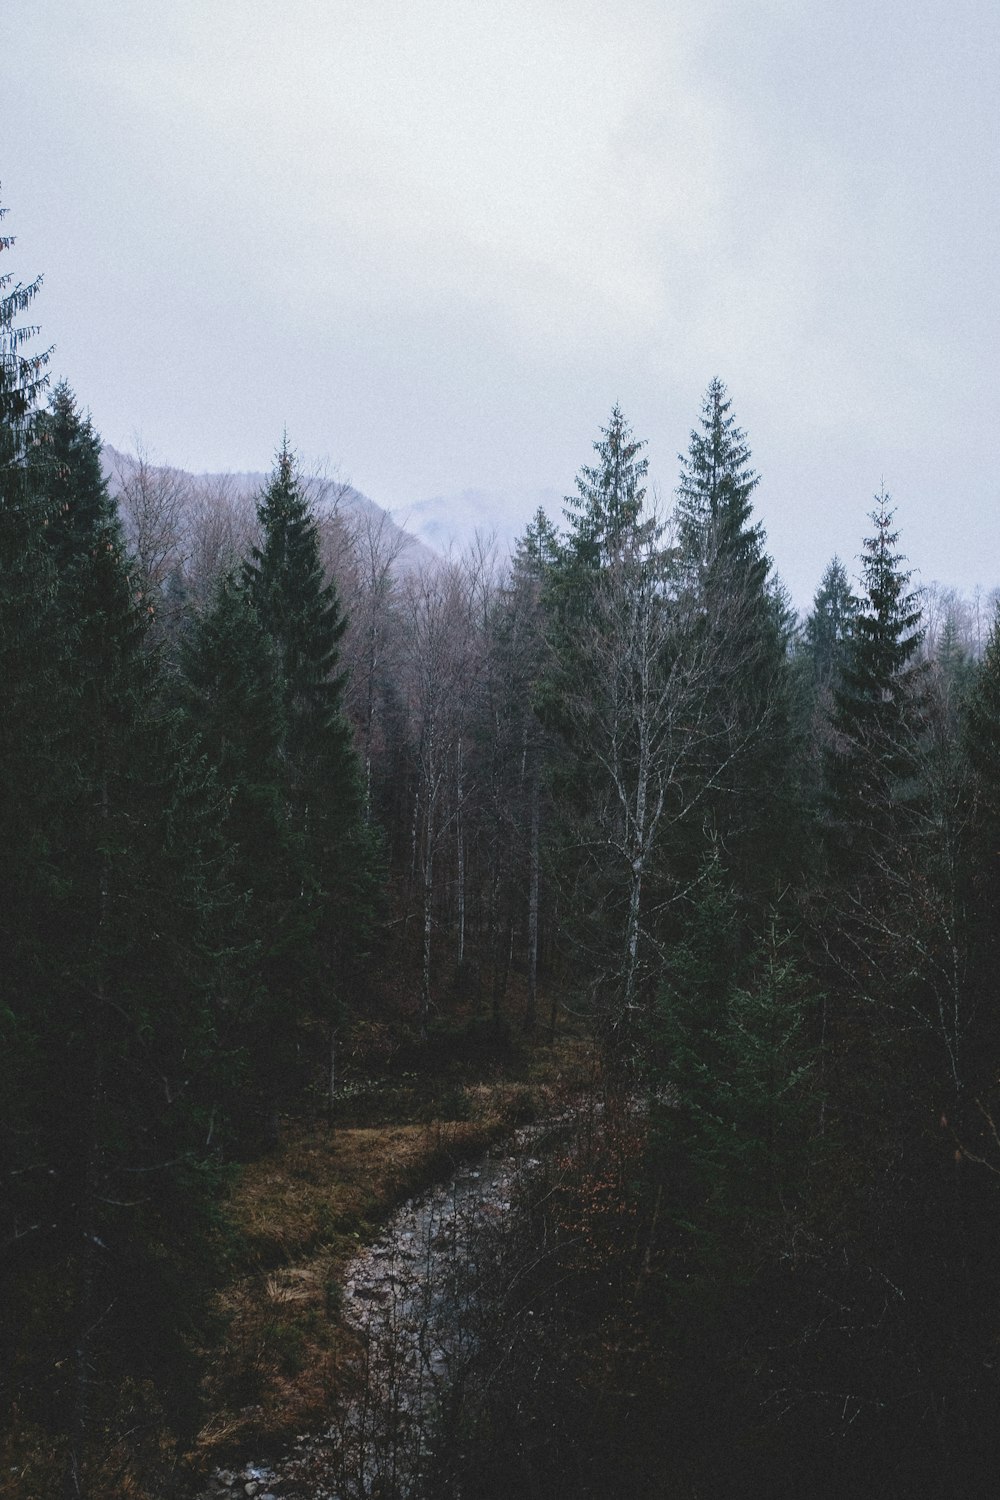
(730, 1050)
(30, 714)
(300, 613)
(605, 515)
(872, 768)
(719, 547)
(828, 628)
(612, 696)
(981, 872)
(982, 728)
(31, 735)
(301, 621)
(114, 993)
(231, 695)
(739, 622)
(893, 924)
(23, 377)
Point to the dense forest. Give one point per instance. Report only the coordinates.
(267, 788)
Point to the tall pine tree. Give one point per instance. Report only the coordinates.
(872, 768)
(613, 698)
(739, 625)
(116, 984)
(300, 617)
(828, 627)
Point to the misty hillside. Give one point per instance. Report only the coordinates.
(173, 506)
(455, 519)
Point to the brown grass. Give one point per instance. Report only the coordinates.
(296, 1218)
(281, 1351)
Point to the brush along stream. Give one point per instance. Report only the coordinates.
(412, 1296)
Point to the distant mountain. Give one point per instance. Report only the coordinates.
(328, 496)
(425, 529)
(454, 520)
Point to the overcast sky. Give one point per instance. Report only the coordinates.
(438, 239)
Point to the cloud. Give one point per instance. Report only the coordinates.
(438, 239)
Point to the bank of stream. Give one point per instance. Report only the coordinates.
(410, 1296)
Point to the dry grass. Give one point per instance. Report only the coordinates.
(281, 1351)
(297, 1217)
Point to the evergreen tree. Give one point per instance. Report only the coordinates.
(615, 699)
(31, 737)
(982, 729)
(953, 671)
(719, 547)
(872, 767)
(23, 377)
(981, 872)
(301, 621)
(828, 628)
(605, 515)
(893, 917)
(737, 620)
(730, 1052)
(114, 994)
(300, 614)
(29, 707)
(231, 695)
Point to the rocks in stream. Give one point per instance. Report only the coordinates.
(407, 1295)
(226, 1483)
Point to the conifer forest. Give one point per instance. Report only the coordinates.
(326, 871)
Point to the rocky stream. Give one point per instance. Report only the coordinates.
(410, 1295)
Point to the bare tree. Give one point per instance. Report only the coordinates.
(655, 740)
(440, 670)
(221, 527)
(154, 503)
(371, 592)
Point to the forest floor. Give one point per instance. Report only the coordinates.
(296, 1217)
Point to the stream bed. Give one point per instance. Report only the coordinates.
(410, 1296)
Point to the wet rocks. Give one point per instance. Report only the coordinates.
(407, 1295)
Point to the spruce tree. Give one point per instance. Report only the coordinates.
(981, 868)
(892, 922)
(982, 728)
(31, 721)
(29, 715)
(872, 767)
(738, 624)
(719, 547)
(116, 988)
(610, 696)
(23, 376)
(31, 735)
(514, 737)
(300, 617)
(828, 627)
(300, 613)
(230, 695)
(605, 515)
(108, 869)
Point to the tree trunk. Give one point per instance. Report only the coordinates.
(86, 1319)
(531, 1010)
(425, 957)
(460, 841)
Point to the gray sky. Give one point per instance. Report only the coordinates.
(438, 239)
